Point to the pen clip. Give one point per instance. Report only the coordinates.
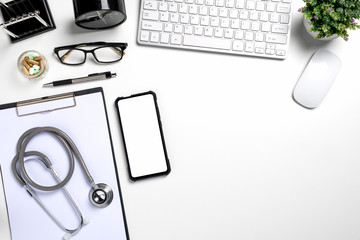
(98, 74)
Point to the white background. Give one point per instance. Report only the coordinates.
(247, 161)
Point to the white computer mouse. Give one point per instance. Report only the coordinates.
(317, 78)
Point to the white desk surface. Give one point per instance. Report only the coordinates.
(247, 161)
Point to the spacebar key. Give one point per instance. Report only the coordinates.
(206, 42)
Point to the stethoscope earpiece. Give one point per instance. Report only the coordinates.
(101, 195)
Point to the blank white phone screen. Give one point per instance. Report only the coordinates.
(140, 126)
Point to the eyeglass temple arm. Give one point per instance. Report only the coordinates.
(122, 53)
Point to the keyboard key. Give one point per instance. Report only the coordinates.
(214, 22)
(150, 5)
(183, 8)
(280, 52)
(225, 23)
(259, 50)
(209, 32)
(199, 30)
(209, 2)
(260, 6)
(254, 15)
(270, 51)
(245, 25)
(219, 3)
(149, 25)
(264, 16)
(155, 37)
(189, 29)
(260, 45)
(144, 36)
(178, 28)
(173, 7)
(204, 21)
(194, 19)
(229, 3)
(174, 17)
(283, 8)
(203, 11)
(219, 32)
(163, 6)
(165, 37)
(265, 27)
(168, 27)
(223, 12)
(213, 11)
(150, 15)
(240, 4)
(229, 33)
(249, 36)
(249, 47)
(270, 7)
(244, 14)
(184, 18)
(164, 16)
(259, 37)
(274, 17)
(284, 18)
(255, 26)
(276, 38)
(238, 46)
(239, 34)
(250, 5)
(235, 24)
(234, 13)
(176, 39)
(279, 28)
(270, 46)
(205, 42)
(193, 9)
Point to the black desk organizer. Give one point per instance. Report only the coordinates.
(30, 27)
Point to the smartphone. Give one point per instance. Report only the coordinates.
(142, 135)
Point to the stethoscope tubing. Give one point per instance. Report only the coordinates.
(69, 146)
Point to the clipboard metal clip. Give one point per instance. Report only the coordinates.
(45, 104)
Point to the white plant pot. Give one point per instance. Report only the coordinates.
(314, 34)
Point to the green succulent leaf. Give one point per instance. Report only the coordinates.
(329, 17)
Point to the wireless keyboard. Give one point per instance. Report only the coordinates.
(243, 27)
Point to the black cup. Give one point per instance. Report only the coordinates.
(99, 14)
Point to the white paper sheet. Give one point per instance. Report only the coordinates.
(87, 125)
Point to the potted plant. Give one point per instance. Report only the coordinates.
(327, 19)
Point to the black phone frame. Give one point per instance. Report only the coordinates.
(168, 170)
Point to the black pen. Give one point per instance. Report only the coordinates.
(90, 77)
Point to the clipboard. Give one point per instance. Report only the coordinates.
(83, 116)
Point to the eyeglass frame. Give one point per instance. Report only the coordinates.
(122, 46)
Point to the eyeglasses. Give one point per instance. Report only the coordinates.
(103, 53)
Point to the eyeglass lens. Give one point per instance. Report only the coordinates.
(105, 54)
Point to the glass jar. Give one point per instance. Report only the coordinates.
(33, 65)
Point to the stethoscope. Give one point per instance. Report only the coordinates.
(100, 195)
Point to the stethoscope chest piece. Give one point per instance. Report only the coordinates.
(101, 195)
